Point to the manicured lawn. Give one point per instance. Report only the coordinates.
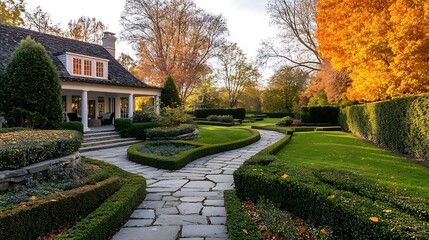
(216, 134)
(341, 151)
(265, 122)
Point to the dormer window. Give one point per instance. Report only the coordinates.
(99, 69)
(77, 66)
(85, 66)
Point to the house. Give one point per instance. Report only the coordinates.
(92, 80)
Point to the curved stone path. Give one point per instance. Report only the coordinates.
(187, 203)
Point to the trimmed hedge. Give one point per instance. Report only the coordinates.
(139, 129)
(77, 126)
(14, 129)
(111, 215)
(223, 124)
(161, 132)
(280, 115)
(320, 114)
(238, 113)
(341, 200)
(21, 148)
(237, 220)
(220, 118)
(124, 127)
(58, 209)
(180, 160)
(401, 124)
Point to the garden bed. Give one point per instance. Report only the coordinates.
(91, 211)
(332, 179)
(203, 147)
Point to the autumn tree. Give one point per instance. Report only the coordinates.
(206, 94)
(235, 71)
(283, 89)
(40, 21)
(10, 12)
(333, 82)
(383, 43)
(295, 44)
(86, 29)
(126, 61)
(172, 37)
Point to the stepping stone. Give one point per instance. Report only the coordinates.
(213, 231)
(223, 186)
(218, 203)
(152, 204)
(153, 197)
(167, 211)
(190, 208)
(161, 232)
(138, 223)
(174, 220)
(192, 199)
(218, 220)
(169, 184)
(199, 184)
(214, 211)
(221, 178)
(143, 214)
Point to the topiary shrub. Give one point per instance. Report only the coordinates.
(77, 126)
(237, 113)
(170, 95)
(124, 127)
(139, 129)
(31, 89)
(285, 122)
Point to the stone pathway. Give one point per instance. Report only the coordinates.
(187, 203)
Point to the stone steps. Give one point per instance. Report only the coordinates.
(93, 141)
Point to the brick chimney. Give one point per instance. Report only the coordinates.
(109, 42)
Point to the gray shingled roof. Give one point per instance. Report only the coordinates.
(118, 76)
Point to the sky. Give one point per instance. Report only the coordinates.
(247, 20)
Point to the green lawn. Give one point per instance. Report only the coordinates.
(265, 122)
(216, 134)
(342, 151)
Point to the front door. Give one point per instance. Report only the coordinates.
(91, 109)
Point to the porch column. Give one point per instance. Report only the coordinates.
(130, 105)
(156, 103)
(69, 103)
(85, 110)
(117, 107)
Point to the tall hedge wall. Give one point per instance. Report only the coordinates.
(238, 113)
(401, 124)
(320, 114)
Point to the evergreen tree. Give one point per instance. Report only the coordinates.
(170, 95)
(32, 88)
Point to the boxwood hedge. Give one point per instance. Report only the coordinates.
(238, 113)
(180, 160)
(21, 148)
(320, 115)
(401, 124)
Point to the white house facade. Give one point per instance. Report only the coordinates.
(93, 82)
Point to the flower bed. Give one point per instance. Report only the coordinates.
(164, 148)
(21, 148)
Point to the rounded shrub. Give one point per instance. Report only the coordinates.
(124, 127)
(31, 88)
(165, 132)
(285, 122)
(170, 95)
(77, 126)
(142, 116)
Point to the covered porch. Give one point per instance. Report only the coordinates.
(92, 101)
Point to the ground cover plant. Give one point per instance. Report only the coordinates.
(333, 179)
(164, 148)
(212, 139)
(21, 148)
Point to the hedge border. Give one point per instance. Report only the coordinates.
(178, 161)
(62, 208)
(112, 214)
(222, 124)
(237, 220)
(347, 213)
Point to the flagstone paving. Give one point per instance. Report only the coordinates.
(187, 203)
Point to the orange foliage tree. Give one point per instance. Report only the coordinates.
(172, 37)
(384, 43)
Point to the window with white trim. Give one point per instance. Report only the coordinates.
(77, 66)
(87, 67)
(99, 69)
